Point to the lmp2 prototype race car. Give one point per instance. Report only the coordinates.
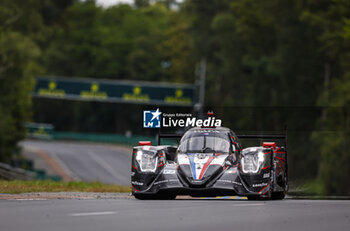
(210, 162)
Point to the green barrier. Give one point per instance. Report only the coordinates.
(25, 164)
(54, 178)
(39, 130)
(40, 174)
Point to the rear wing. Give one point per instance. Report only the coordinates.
(255, 137)
(264, 137)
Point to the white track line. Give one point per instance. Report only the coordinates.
(91, 214)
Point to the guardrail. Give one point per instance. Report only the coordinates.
(8, 172)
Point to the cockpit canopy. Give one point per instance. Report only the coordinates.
(205, 141)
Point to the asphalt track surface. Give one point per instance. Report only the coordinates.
(193, 214)
(87, 161)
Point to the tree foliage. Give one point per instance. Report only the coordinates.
(18, 52)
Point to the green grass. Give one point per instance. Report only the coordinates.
(315, 187)
(18, 186)
(310, 187)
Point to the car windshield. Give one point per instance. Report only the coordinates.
(205, 144)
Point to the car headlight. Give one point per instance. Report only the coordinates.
(147, 161)
(251, 162)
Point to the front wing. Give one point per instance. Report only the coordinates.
(229, 183)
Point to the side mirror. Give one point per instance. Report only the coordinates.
(145, 143)
(269, 145)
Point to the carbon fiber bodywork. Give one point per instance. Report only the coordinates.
(172, 172)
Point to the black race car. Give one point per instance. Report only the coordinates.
(210, 162)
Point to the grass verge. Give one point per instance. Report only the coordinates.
(18, 186)
(311, 187)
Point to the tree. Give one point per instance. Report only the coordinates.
(18, 53)
(23, 28)
(331, 19)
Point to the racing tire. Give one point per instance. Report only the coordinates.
(154, 197)
(254, 197)
(278, 195)
(259, 198)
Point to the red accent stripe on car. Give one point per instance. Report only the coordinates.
(280, 159)
(263, 189)
(133, 167)
(280, 152)
(218, 154)
(161, 164)
(134, 188)
(265, 168)
(280, 164)
(205, 167)
(267, 153)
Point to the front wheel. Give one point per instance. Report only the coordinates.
(154, 196)
(278, 195)
(259, 198)
(254, 198)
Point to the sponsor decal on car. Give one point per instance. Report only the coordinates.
(169, 172)
(165, 181)
(230, 181)
(137, 183)
(266, 175)
(259, 185)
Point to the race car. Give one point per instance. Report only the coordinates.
(210, 162)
